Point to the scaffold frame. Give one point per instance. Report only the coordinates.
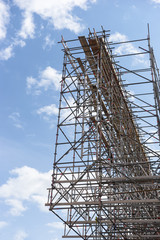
(106, 170)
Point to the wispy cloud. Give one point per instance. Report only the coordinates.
(16, 119)
(25, 184)
(124, 48)
(128, 48)
(48, 42)
(156, 1)
(48, 112)
(31, 83)
(20, 235)
(48, 78)
(3, 224)
(4, 19)
(56, 225)
(8, 52)
(28, 26)
(16, 205)
(58, 13)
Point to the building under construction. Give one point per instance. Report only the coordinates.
(106, 170)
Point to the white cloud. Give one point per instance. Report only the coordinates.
(16, 119)
(48, 42)
(18, 42)
(48, 110)
(27, 185)
(31, 82)
(58, 13)
(155, 1)
(6, 53)
(16, 207)
(117, 37)
(47, 113)
(3, 224)
(141, 60)
(4, 19)
(127, 48)
(124, 48)
(20, 235)
(48, 78)
(28, 27)
(56, 225)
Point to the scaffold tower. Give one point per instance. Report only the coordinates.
(106, 170)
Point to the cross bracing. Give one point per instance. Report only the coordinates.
(106, 175)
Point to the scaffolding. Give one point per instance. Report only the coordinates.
(106, 170)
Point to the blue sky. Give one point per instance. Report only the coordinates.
(30, 66)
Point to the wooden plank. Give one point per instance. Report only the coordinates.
(89, 54)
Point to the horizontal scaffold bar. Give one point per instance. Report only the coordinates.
(118, 221)
(114, 180)
(133, 237)
(112, 202)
